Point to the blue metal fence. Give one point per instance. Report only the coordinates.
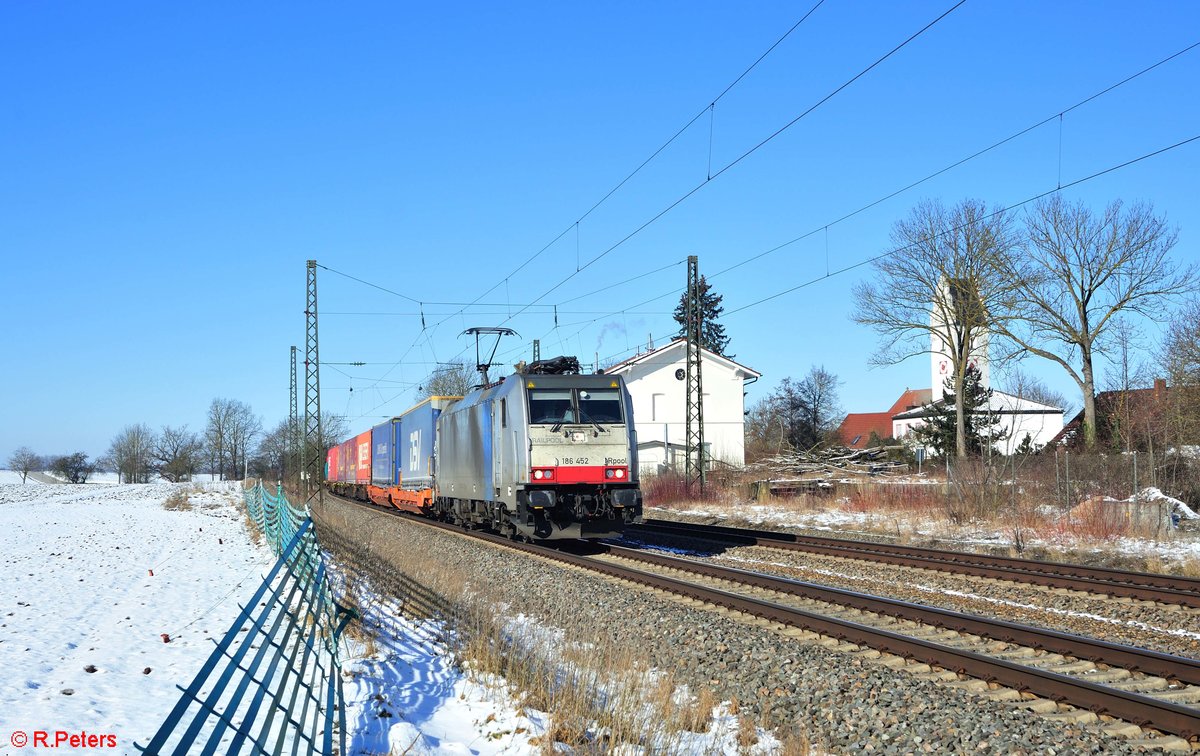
(272, 685)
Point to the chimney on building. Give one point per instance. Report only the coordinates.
(1160, 388)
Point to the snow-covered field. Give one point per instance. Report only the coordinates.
(100, 478)
(81, 633)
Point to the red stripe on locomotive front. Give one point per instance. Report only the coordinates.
(580, 474)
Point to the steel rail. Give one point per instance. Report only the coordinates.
(1145, 586)
(1139, 709)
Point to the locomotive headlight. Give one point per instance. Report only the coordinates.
(537, 474)
(549, 474)
(620, 473)
(608, 473)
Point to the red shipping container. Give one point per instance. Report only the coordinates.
(331, 464)
(362, 458)
(346, 461)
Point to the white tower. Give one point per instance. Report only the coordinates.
(944, 315)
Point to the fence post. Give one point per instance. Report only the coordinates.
(1135, 485)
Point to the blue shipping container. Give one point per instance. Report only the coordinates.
(382, 445)
(414, 443)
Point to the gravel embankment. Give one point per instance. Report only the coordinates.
(1170, 629)
(842, 703)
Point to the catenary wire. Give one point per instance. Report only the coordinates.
(744, 155)
(865, 207)
(575, 224)
(914, 184)
(1013, 206)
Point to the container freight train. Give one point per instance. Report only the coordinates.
(532, 456)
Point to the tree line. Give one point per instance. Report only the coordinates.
(1061, 282)
(232, 444)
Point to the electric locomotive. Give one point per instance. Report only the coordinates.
(541, 456)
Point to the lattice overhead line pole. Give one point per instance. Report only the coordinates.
(313, 453)
(293, 437)
(694, 432)
(537, 350)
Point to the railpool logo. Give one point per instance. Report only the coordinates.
(60, 739)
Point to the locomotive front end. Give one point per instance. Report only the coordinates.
(582, 457)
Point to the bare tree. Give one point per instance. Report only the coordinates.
(449, 379)
(24, 461)
(334, 429)
(766, 429)
(940, 284)
(1180, 354)
(131, 453)
(1084, 270)
(1180, 351)
(74, 467)
(228, 436)
(217, 434)
(243, 428)
(177, 453)
(798, 414)
(273, 454)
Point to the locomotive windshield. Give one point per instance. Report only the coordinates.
(551, 406)
(559, 406)
(600, 405)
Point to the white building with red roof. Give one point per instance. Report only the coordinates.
(1017, 417)
(657, 386)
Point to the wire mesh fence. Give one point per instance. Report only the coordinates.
(272, 684)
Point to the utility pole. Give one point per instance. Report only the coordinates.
(293, 437)
(695, 463)
(537, 350)
(311, 450)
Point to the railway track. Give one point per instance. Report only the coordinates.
(1143, 688)
(1141, 586)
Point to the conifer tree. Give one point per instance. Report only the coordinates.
(712, 333)
(941, 428)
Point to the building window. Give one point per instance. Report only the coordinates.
(656, 406)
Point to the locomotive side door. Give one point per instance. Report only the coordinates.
(497, 450)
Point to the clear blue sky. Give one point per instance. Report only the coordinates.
(167, 169)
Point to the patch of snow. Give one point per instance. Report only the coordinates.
(407, 693)
(924, 588)
(79, 596)
(1153, 494)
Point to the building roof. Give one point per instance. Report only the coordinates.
(625, 365)
(1142, 404)
(910, 399)
(1000, 404)
(855, 431)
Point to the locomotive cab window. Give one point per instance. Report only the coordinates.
(549, 406)
(600, 405)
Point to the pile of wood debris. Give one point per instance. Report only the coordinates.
(828, 462)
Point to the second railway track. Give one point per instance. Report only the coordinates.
(1141, 586)
(1149, 689)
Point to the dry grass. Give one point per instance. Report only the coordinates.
(600, 692)
(178, 501)
(1046, 506)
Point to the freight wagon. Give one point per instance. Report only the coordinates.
(393, 462)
